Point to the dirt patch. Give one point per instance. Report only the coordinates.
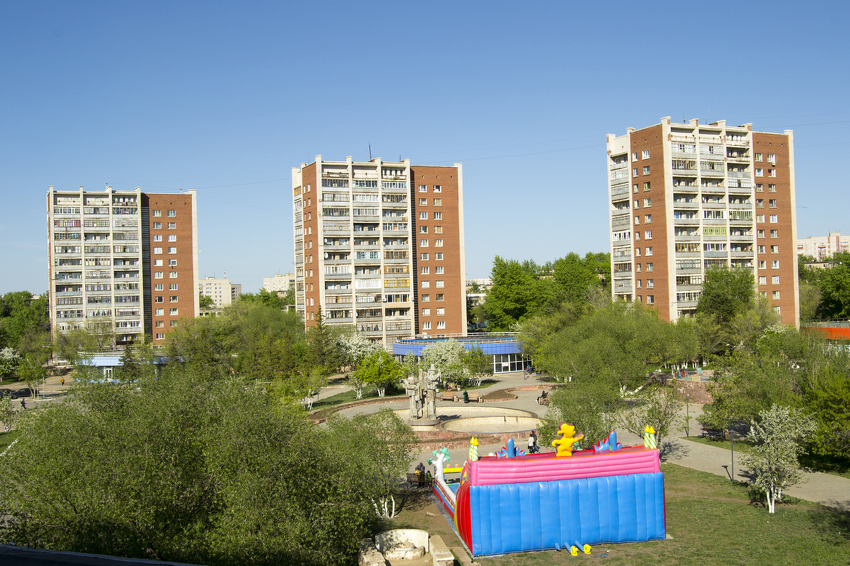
(500, 395)
(695, 390)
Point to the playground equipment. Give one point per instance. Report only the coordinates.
(525, 502)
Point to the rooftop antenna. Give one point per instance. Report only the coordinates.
(370, 152)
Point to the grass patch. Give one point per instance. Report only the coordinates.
(825, 464)
(712, 522)
(7, 438)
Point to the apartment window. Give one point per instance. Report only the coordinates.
(160, 324)
(441, 311)
(157, 213)
(776, 310)
(637, 250)
(761, 232)
(438, 188)
(172, 323)
(762, 264)
(763, 280)
(172, 237)
(637, 268)
(640, 283)
(440, 284)
(426, 298)
(771, 157)
(157, 225)
(645, 154)
(423, 188)
(423, 257)
(771, 188)
(441, 297)
(172, 311)
(157, 287)
(759, 172)
(774, 218)
(438, 216)
(647, 219)
(438, 202)
(157, 274)
(438, 229)
(648, 267)
(775, 280)
(773, 233)
(650, 283)
(172, 263)
(637, 204)
(761, 249)
(646, 186)
(774, 249)
(172, 213)
(438, 243)
(774, 264)
(439, 270)
(760, 218)
(650, 299)
(772, 203)
(771, 172)
(157, 250)
(634, 156)
(172, 275)
(758, 157)
(423, 216)
(159, 299)
(426, 312)
(172, 226)
(426, 284)
(635, 174)
(776, 294)
(425, 270)
(160, 335)
(172, 298)
(646, 170)
(649, 250)
(759, 188)
(172, 250)
(426, 326)
(637, 222)
(423, 229)
(157, 263)
(635, 188)
(172, 286)
(423, 202)
(647, 202)
(159, 312)
(441, 324)
(648, 235)
(759, 203)
(763, 294)
(438, 256)
(423, 243)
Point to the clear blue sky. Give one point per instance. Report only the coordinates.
(227, 97)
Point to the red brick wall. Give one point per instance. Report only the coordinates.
(310, 194)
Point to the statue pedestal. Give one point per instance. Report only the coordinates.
(424, 425)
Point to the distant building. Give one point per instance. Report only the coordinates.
(686, 197)
(483, 283)
(221, 291)
(279, 283)
(823, 247)
(122, 260)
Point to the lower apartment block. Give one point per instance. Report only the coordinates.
(380, 246)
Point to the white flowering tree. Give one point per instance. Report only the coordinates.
(773, 460)
(356, 348)
(448, 357)
(9, 360)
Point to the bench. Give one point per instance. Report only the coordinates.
(447, 396)
(544, 398)
(475, 398)
(440, 553)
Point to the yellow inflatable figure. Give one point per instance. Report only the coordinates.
(564, 444)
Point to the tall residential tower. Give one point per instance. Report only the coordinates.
(122, 261)
(686, 197)
(379, 245)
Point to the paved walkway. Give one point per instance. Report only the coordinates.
(827, 489)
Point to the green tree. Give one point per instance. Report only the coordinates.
(189, 470)
(834, 285)
(22, 315)
(658, 407)
(513, 296)
(810, 297)
(381, 370)
(205, 301)
(269, 299)
(775, 439)
(591, 406)
(130, 370)
(575, 276)
(448, 358)
(726, 292)
(31, 370)
(322, 347)
(477, 364)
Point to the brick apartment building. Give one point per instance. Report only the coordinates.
(380, 245)
(126, 261)
(686, 197)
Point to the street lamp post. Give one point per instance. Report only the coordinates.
(687, 416)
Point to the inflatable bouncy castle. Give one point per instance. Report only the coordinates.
(523, 502)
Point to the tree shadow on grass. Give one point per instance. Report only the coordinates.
(672, 449)
(832, 525)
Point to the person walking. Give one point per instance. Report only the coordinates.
(23, 404)
(532, 443)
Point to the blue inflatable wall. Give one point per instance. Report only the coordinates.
(521, 517)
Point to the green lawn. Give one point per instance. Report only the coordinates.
(825, 464)
(711, 521)
(7, 438)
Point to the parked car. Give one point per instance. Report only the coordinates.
(24, 393)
